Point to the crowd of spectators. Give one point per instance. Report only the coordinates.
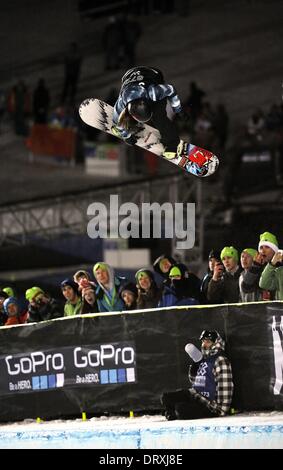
(233, 276)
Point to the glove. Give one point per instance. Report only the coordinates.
(115, 131)
(132, 140)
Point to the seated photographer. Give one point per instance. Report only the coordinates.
(211, 391)
(223, 288)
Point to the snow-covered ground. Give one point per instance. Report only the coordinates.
(249, 430)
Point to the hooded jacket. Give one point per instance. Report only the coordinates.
(108, 299)
(156, 266)
(192, 282)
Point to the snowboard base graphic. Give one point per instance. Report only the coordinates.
(193, 160)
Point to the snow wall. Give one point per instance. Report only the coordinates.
(235, 432)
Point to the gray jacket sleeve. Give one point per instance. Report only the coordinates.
(268, 279)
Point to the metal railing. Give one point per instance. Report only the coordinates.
(52, 217)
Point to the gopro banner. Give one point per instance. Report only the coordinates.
(62, 367)
(117, 362)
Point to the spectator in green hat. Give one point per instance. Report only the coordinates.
(272, 276)
(267, 247)
(180, 291)
(107, 292)
(224, 285)
(41, 305)
(247, 257)
(9, 291)
(148, 292)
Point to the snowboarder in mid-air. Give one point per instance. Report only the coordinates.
(139, 117)
(142, 99)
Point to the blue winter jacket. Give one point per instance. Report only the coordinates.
(107, 304)
(151, 92)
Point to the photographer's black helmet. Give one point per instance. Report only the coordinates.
(212, 335)
(140, 110)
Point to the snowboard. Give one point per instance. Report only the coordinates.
(194, 160)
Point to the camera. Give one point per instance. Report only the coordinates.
(220, 264)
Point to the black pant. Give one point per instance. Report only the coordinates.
(167, 128)
(181, 405)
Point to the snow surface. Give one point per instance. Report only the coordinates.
(249, 430)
